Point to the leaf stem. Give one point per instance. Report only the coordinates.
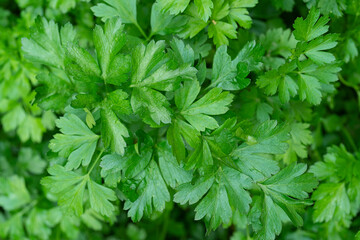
(346, 83)
(355, 87)
(141, 30)
(150, 36)
(350, 139)
(165, 226)
(247, 233)
(97, 159)
(27, 208)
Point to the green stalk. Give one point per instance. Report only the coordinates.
(141, 30)
(97, 159)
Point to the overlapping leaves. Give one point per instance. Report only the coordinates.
(310, 71)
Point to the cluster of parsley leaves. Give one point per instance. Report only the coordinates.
(164, 119)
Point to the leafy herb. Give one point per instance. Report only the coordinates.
(179, 119)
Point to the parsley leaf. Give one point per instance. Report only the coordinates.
(108, 41)
(114, 166)
(334, 196)
(113, 130)
(231, 74)
(13, 193)
(312, 27)
(152, 194)
(226, 191)
(174, 7)
(76, 141)
(239, 13)
(252, 157)
(151, 73)
(300, 75)
(284, 192)
(69, 187)
(204, 8)
(125, 9)
(46, 44)
(172, 172)
(215, 102)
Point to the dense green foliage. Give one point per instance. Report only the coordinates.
(179, 119)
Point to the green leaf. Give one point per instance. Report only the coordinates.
(13, 193)
(314, 50)
(214, 207)
(182, 53)
(300, 138)
(221, 31)
(13, 227)
(53, 92)
(303, 72)
(337, 196)
(351, 51)
(108, 42)
(278, 44)
(276, 80)
(163, 23)
(180, 133)
(215, 102)
(151, 70)
(151, 105)
(100, 198)
(251, 55)
(124, 9)
(221, 10)
(334, 7)
(152, 194)
(130, 165)
(150, 73)
(312, 27)
(13, 118)
(113, 131)
(292, 181)
(92, 220)
(36, 224)
(239, 13)
(204, 8)
(224, 70)
(200, 157)
(64, 5)
(300, 133)
(332, 167)
(231, 74)
(254, 157)
(270, 218)
(76, 141)
(173, 6)
(286, 5)
(309, 86)
(331, 199)
(173, 173)
(31, 161)
(81, 65)
(165, 79)
(69, 187)
(222, 196)
(192, 193)
(46, 43)
(284, 192)
(31, 128)
(194, 23)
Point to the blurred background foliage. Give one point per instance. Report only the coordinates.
(26, 212)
